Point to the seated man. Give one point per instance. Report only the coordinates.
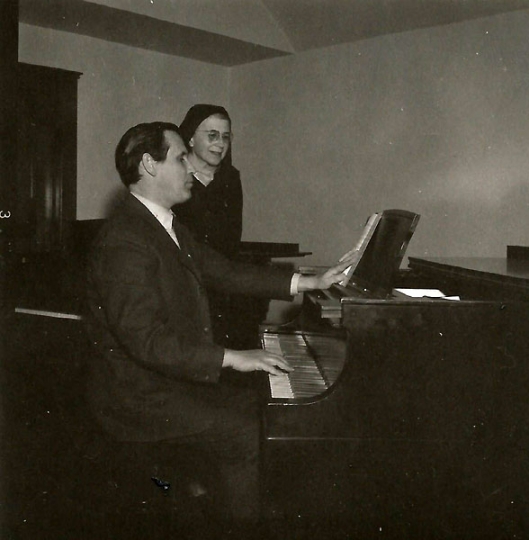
(155, 369)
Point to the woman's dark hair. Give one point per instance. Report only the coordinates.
(138, 140)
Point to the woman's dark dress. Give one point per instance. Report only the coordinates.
(214, 216)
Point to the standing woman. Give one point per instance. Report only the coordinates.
(214, 212)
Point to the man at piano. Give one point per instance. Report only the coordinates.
(155, 368)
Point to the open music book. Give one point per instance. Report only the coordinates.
(360, 246)
(378, 253)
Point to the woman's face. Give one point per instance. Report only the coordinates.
(211, 141)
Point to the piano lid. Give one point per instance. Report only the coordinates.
(384, 252)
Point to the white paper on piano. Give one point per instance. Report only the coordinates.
(426, 293)
(360, 246)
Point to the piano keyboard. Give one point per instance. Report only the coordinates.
(317, 362)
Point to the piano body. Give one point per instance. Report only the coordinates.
(419, 428)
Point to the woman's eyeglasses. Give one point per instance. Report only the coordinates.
(214, 135)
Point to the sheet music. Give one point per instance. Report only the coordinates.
(426, 293)
(360, 247)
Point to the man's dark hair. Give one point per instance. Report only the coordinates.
(138, 140)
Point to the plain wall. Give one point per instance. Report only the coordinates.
(434, 121)
(119, 87)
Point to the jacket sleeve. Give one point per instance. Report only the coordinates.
(234, 277)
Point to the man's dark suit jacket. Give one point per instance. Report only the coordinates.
(155, 369)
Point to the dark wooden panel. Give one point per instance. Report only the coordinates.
(518, 252)
(424, 436)
(47, 161)
(8, 130)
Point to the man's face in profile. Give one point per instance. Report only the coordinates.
(173, 175)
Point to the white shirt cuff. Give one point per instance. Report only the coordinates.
(294, 284)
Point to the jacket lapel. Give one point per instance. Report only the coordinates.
(184, 253)
(167, 243)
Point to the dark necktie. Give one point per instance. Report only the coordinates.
(176, 228)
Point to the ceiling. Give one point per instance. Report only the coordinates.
(236, 32)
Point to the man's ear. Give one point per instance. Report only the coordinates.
(149, 164)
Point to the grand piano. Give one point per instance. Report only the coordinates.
(415, 427)
(406, 417)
